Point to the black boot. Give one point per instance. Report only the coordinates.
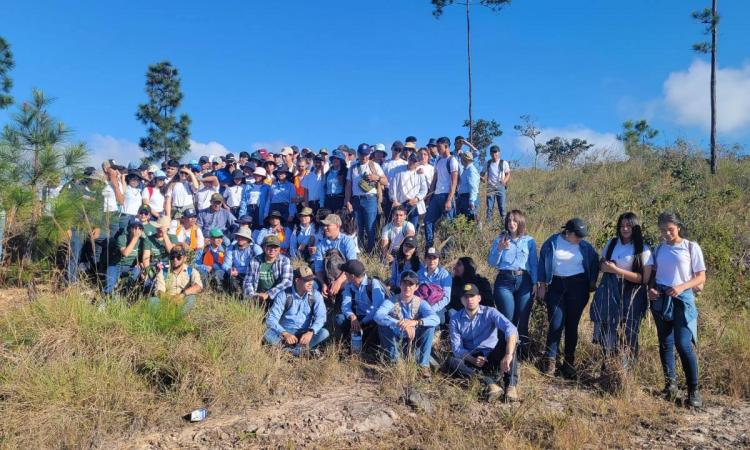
(694, 399)
(670, 391)
(568, 369)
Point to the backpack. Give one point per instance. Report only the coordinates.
(430, 292)
(637, 262)
(697, 289)
(370, 286)
(332, 262)
(310, 302)
(396, 311)
(501, 163)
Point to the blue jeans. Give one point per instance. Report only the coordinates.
(491, 370)
(622, 337)
(495, 195)
(273, 337)
(465, 206)
(366, 211)
(74, 256)
(566, 299)
(512, 295)
(435, 212)
(113, 276)
(394, 345)
(673, 334)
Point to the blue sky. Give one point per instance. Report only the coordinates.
(321, 73)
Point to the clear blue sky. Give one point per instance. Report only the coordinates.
(321, 73)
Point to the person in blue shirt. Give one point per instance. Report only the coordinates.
(513, 254)
(432, 273)
(256, 198)
(237, 259)
(333, 239)
(283, 194)
(483, 343)
(275, 225)
(361, 298)
(335, 182)
(404, 321)
(298, 316)
(216, 217)
(304, 237)
(468, 187)
(567, 273)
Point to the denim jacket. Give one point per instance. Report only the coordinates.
(546, 256)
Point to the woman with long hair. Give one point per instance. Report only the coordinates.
(335, 181)
(679, 272)
(407, 258)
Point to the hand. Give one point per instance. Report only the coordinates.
(233, 272)
(336, 287)
(413, 201)
(209, 269)
(349, 206)
(480, 361)
(355, 325)
(289, 339)
(312, 249)
(411, 332)
(137, 233)
(610, 267)
(263, 296)
(503, 243)
(373, 178)
(325, 290)
(505, 363)
(448, 205)
(95, 233)
(534, 290)
(675, 291)
(305, 339)
(541, 291)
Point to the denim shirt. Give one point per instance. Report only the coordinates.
(364, 306)
(263, 193)
(468, 182)
(546, 257)
(521, 255)
(468, 334)
(239, 258)
(301, 236)
(442, 278)
(345, 244)
(299, 316)
(425, 313)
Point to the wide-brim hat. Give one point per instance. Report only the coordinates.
(244, 232)
(285, 169)
(161, 222)
(273, 214)
(306, 211)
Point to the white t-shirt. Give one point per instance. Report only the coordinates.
(133, 201)
(233, 195)
(314, 184)
(395, 235)
(356, 171)
(428, 171)
(181, 195)
(203, 196)
(493, 172)
(677, 264)
(444, 167)
(392, 167)
(568, 259)
(155, 199)
(110, 200)
(183, 235)
(623, 255)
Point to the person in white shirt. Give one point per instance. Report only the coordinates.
(132, 196)
(233, 193)
(497, 174)
(409, 189)
(188, 231)
(424, 167)
(179, 196)
(394, 232)
(443, 188)
(314, 184)
(210, 185)
(153, 193)
(391, 168)
(361, 195)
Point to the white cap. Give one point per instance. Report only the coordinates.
(260, 171)
(287, 151)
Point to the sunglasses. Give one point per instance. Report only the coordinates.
(143, 213)
(176, 255)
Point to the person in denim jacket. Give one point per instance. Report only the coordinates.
(567, 272)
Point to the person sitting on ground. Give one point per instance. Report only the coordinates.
(237, 258)
(395, 232)
(333, 245)
(209, 261)
(483, 342)
(188, 232)
(297, 317)
(269, 273)
(404, 321)
(275, 226)
(433, 274)
(216, 216)
(178, 282)
(132, 254)
(465, 272)
(406, 259)
(362, 297)
(304, 237)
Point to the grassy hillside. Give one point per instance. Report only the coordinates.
(73, 374)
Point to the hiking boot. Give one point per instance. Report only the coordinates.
(670, 391)
(511, 394)
(425, 372)
(568, 370)
(493, 391)
(548, 366)
(694, 399)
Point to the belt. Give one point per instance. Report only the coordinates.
(511, 272)
(570, 277)
(335, 195)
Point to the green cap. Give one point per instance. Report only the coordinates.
(215, 232)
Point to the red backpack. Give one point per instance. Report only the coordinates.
(430, 292)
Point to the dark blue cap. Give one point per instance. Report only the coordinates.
(364, 149)
(444, 140)
(246, 219)
(189, 213)
(397, 145)
(577, 226)
(432, 143)
(134, 222)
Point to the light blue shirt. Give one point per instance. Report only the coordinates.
(364, 306)
(520, 255)
(239, 258)
(468, 182)
(301, 236)
(468, 334)
(385, 316)
(299, 315)
(263, 232)
(333, 185)
(256, 194)
(345, 244)
(442, 278)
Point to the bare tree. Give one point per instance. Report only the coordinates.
(710, 18)
(528, 128)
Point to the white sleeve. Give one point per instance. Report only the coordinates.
(647, 257)
(506, 167)
(697, 264)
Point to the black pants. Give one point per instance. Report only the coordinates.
(370, 338)
(490, 371)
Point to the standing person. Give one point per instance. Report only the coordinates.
(179, 196)
(269, 273)
(394, 233)
(409, 189)
(620, 303)
(335, 182)
(513, 254)
(444, 186)
(283, 193)
(113, 198)
(424, 166)
(132, 198)
(216, 216)
(567, 272)
(483, 343)
(233, 193)
(256, 198)
(406, 322)
(304, 237)
(361, 195)
(497, 175)
(314, 184)
(680, 272)
(468, 187)
(391, 168)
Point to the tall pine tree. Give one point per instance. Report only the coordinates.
(6, 64)
(168, 136)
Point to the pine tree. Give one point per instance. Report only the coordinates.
(168, 136)
(6, 64)
(710, 18)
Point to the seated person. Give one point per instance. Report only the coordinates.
(237, 258)
(394, 233)
(269, 273)
(189, 232)
(432, 273)
(483, 343)
(209, 261)
(157, 232)
(274, 226)
(216, 216)
(178, 282)
(404, 321)
(298, 316)
(304, 237)
(333, 241)
(362, 295)
(406, 258)
(131, 254)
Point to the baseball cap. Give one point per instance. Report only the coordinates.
(189, 213)
(470, 290)
(494, 149)
(306, 211)
(246, 219)
(397, 146)
(159, 174)
(444, 140)
(432, 142)
(173, 163)
(134, 222)
(216, 197)
(203, 160)
(364, 149)
(238, 174)
(323, 151)
(215, 233)
(286, 151)
(410, 139)
(410, 277)
(244, 154)
(432, 251)
(304, 273)
(331, 219)
(133, 166)
(271, 241)
(144, 210)
(577, 226)
(229, 158)
(354, 267)
(410, 240)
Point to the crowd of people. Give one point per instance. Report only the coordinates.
(285, 230)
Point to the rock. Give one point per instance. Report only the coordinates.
(419, 401)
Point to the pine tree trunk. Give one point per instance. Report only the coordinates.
(468, 58)
(714, 162)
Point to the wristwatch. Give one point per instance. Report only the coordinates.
(420, 323)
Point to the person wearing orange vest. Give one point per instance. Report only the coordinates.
(210, 260)
(188, 231)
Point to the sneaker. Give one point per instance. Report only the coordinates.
(548, 366)
(511, 394)
(670, 391)
(493, 391)
(694, 399)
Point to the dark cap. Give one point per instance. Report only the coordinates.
(410, 240)
(246, 219)
(469, 290)
(432, 142)
(189, 213)
(364, 149)
(409, 276)
(144, 210)
(411, 139)
(143, 167)
(577, 226)
(134, 222)
(216, 197)
(494, 149)
(89, 171)
(173, 163)
(354, 267)
(244, 154)
(432, 251)
(413, 158)
(203, 159)
(238, 174)
(397, 146)
(444, 140)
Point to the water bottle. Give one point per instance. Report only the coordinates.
(198, 415)
(356, 342)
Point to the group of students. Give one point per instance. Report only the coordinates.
(238, 225)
